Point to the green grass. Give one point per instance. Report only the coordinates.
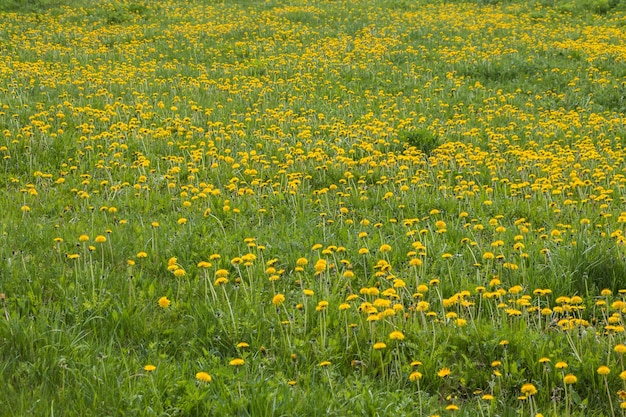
(293, 183)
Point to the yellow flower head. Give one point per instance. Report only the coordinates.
(396, 335)
(415, 376)
(278, 299)
(569, 379)
(203, 377)
(528, 389)
(164, 302)
(237, 362)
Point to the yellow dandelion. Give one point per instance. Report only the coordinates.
(164, 302)
(204, 377)
(570, 379)
(528, 389)
(415, 376)
(379, 346)
(396, 335)
(278, 299)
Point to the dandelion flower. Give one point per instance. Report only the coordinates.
(164, 302)
(415, 376)
(278, 299)
(379, 346)
(528, 389)
(604, 370)
(570, 379)
(237, 362)
(101, 239)
(396, 335)
(385, 248)
(149, 368)
(324, 363)
(444, 372)
(203, 377)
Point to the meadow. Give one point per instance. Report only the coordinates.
(281, 208)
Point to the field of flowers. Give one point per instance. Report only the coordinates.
(372, 207)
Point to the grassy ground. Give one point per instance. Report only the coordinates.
(312, 208)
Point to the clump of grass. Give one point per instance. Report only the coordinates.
(423, 139)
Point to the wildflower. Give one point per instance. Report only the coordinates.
(415, 376)
(236, 362)
(83, 238)
(604, 370)
(569, 379)
(164, 302)
(203, 377)
(620, 348)
(396, 335)
(149, 368)
(528, 389)
(321, 306)
(324, 363)
(379, 346)
(278, 299)
(415, 262)
(385, 248)
(220, 281)
(452, 407)
(100, 239)
(241, 345)
(444, 372)
(560, 365)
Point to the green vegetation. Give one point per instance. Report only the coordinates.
(312, 208)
